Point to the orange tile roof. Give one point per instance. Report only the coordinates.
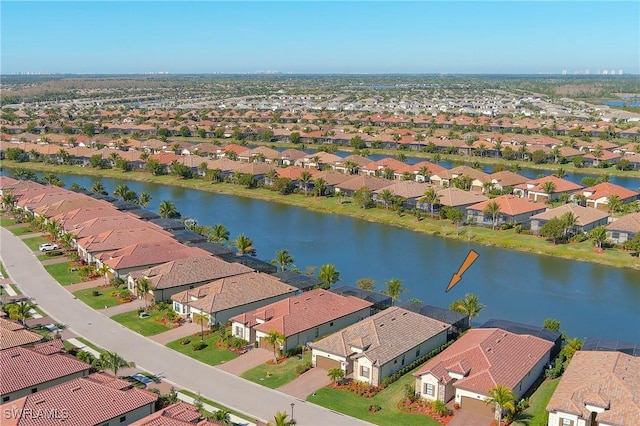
(607, 189)
(627, 223)
(609, 380)
(303, 312)
(561, 185)
(119, 238)
(487, 357)
(13, 334)
(178, 414)
(145, 254)
(511, 205)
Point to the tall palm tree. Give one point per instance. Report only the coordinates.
(394, 289)
(280, 419)
(103, 271)
(168, 210)
(283, 258)
(144, 199)
(9, 200)
(305, 179)
(222, 417)
(319, 187)
(66, 241)
(503, 398)
(98, 188)
(114, 362)
(144, 285)
(599, 236)
(54, 229)
(493, 209)
(387, 198)
(614, 203)
(570, 221)
(328, 275)
(244, 245)
(430, 197)
(470, 305)
(218, 234)
(351, 167)
(21, 311)
(548, 188)
(424, 172)
(275, 339)
(121, 190)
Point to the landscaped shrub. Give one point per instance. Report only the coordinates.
(398, 374)
(304, 367)
(54, 253)
(238, 343)
(578, 238)
(95, 293)
(374, 408)
(116, 282)
(439, 407)
(198, 346)
(185, 341)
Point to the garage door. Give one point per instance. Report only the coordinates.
(476, 406)
(326, 363)
(263, 343)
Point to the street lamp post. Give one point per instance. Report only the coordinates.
(292, 405)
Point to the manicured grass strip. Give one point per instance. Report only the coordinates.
(536, 414)
(3, 271)
(62, 274)
(358, 407)
(103, 298)
(278, 375)
(34, 242)
(212, 354)
(15, 288)
(219, 406)
(89, 344)
(22, 231)
(145, 326)
(7, 222)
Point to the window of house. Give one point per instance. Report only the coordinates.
(123, 418)
(331, 324)
(34, 390)
(615, 235)
(5, 398)
(317, 331)
(402, 360)
(429, 389)
(238, 330)
(364, 371)
(566, 422)
(418, 352)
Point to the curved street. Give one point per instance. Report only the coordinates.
(236, 393)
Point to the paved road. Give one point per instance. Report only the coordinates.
(234, 392)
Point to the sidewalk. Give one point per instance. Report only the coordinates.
(246, 361)
(123, 307)
(57, 259)
(31, 235)
(185, 330)
(84, 285)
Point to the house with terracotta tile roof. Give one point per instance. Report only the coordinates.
(624, 228)
(268, 155)
(13, 334)
(457, 198)
(350, 186)
(376, 168)
(29, 370)
(50, 196)
(301, 319)
(477, 362)
(339, 166)
(535, 189)
(225, 298)
(597, 388)
(288, 157)
(506, 179)
(410, 190)
(587, 218)
(378, 346)
(101, 224)
(178, 414)
(66, 205)
(183, 274)
(89, 247)
(135, 257)
(598, 195)
(97, 399)
(512, 210)
(591, 160)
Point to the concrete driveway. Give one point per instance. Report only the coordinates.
(243, 396)
(307, 383)
(246, 361)
(468, 418)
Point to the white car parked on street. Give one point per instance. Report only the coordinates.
(48, 247)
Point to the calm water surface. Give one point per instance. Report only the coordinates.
(588, 299)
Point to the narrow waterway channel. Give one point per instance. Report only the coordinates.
(588, 299)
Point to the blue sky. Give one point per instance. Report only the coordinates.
(320, 37)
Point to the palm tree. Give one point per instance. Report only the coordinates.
(470, 305)
(387, 198)
(222, 417)
(144, 285)
(280, 419)
(283, 258)
(430, 197)
(144, 199)
(493, 209)
(305, 179)
(570, 221)
(580, 199)
(66, 241)
(614, 203)
(54, 229)
(394, 289)
(21, 311)
(275, 339)
(319, 187)
(351, 167)
(218, 234)
(328, 275)
(599, 236)
(121, 191)
(103, 271)
(244, 245)
(336, 374)
(98, 188)
(168, 210)
(9, 200)
(503, 398)
(114, 362)
(548, 188)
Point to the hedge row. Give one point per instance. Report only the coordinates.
(398, 374)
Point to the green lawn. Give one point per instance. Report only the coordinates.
(15, 288)
(219, 406)
(3, 271)
(212, 354)
(62, 274)
(145, 326)
(358, 407)
(89, 344)
(22, 231)
(34, 242)
(5, 221)
(97, 302)
(279, 375)
(536, 414)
